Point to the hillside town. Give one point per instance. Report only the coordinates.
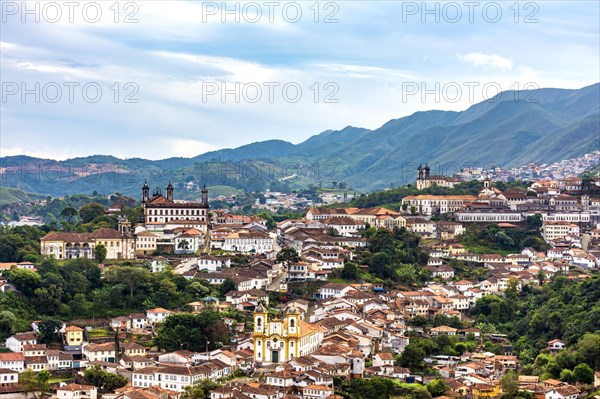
(304, 307)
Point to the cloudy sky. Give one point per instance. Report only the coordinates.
(157, 79)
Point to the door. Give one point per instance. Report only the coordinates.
(274, 356)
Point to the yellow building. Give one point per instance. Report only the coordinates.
(73, 336)
(281, 340)
(120, 244)
(486, 391)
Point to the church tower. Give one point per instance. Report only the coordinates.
(204, 195)
(261, 326)
(170, 192)
(293, 318)
(145, 192)
(260, 320)
(124, 226)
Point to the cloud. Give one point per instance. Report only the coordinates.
(187, 147)
(490, 60)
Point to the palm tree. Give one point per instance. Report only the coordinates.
(184, 244)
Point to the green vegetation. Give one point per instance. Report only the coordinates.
(559, 309)
(193, 332)
(493, 239)
(20, 244)
(75, 289)
(395, 257)
(105, 381)
(11, 196)
(385, 388)
(34, 383)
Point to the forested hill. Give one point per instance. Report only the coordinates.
(511, 129)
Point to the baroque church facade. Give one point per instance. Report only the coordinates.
(425, 179)
(164, 213)
(279, 340)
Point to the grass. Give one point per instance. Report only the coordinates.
(57, 380)
(99, 332)
(482, 249)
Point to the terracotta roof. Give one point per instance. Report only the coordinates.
(76, 387)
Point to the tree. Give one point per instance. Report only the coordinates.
(350, 271)
(133, 277)
(183, 244)
(7, 323)
(584, 373)
(105, 381)
(26, 281)
(437, 387)
(534, 222)
(101, 252)
(228, 285)
(192, 331)
(510, 384)
(588, 348)
(89, 212)
(69, 214)
(412, 357)
(193, 392)
(49, 329)
(567, 375)
(37, 384)
(287, 256)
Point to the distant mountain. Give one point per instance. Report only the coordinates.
(12, 196)
(513, 128)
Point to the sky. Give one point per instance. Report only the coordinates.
(160, 79)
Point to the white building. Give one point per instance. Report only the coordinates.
(77, 391)
(16, 342)
(158, 315)
(249, 242)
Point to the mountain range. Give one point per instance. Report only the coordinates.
(511, 129)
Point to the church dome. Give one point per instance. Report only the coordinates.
(259, 309)
(293, 310)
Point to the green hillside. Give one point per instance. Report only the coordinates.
(10, 196)
(509, 130)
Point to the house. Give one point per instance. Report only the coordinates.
(282, 379)
(176, 377)
(138, 321)
(12, 361)
(317, 392)
(145, 243)
(157, 315)
(132, 349)
(556, 345)
(8, 377)
(120, 323)
(177, 357)
(333, 290)
(77, 391)
(563, 392)
(158, 264)
(73, 336)
(120, 244)
(443, 330)
(100, 352)
(249, 242)
(213, 263)
(37, 363)
(189, 242)
(383, 359)
(16, 342)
